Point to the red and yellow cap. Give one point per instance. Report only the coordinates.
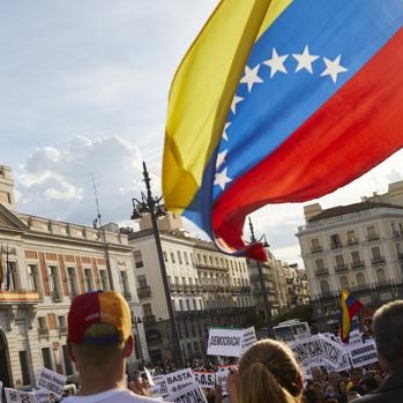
(99, 307)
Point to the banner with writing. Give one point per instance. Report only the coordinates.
(225, 342)
(190, 394)
(362, 354)
(52, 381)
(178, 380)
(205, 379)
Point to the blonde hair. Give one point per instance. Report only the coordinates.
(95, 355)
(269, 372)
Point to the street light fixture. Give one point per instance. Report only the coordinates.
(266, 304)
(151, 205)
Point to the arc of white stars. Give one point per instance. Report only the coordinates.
(236, 100)
(224, 134)
(221, 158)
(333, 68)
(305, 60)
(221, 178)
(276, 63)
(251, 77)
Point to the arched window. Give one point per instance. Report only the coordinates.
(361, 280)
(324, 287)
(344, 283)
(380, 273)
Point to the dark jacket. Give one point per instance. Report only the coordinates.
(391, 391)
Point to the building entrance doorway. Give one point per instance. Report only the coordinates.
(4, 367)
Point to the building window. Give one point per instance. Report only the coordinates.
(335, 241)
(125, 284)
(47, 358)
(24, 367)
(344, 283)
(180, 305)
(172, 257)
(147, 310)
(33, 278)
(324, 286)
(88, 284)
(179, 257)
(165, 256)
(339, 260)
(380, 274)
(72, 281)
(186, 258)
(103, 280)
(319, 264)
(14, 283)
(138, 260)
(67, 361)
(142, 281)
(376, 254)
(54, 283)
(361, 280)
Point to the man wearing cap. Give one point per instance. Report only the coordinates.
(99, 342)
(387, 324)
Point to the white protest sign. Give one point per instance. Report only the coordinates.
(179, 380)
(249, 337)
(205, 379)
(335, 354)
(221, 378)
(160, 387)
(42, 396)
(51, 381)
(19, 396)
(363, 354)
(307, 349)
(190, 394)
(225, 342)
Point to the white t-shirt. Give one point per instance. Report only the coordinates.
(111, 396)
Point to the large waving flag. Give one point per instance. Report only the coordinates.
(281, 101)
(349, 307)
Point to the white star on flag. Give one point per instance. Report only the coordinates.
(224, 134)
(235, 101)
(305, 60)
(251, 77)
(333, 68)
(276, 63)
(221, 178)
(221, 158)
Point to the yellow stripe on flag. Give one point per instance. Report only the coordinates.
(202, 92)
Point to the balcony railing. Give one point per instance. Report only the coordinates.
(144, 292)
(341, 268)
(316, 249)
(372, 237)
(128, 295)
(322, 272)
(149, 319)
(63, 331)
(19, 297)
(57, 295)
(378, 260)
(336, 245)
(359, 264)
(352, 241)
(43, 332)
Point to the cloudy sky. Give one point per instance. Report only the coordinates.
(83, 99)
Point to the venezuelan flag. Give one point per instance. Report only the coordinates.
(349, 307)
(281, 101)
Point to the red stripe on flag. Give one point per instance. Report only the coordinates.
(359, 127)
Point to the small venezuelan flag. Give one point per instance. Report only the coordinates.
(349, 307)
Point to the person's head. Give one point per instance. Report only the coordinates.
(334, 378)
(388, 332)
(268, 371)
(317, 374)
(99, 330)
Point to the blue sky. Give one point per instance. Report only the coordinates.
(84, 88)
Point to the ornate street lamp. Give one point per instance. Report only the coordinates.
(151, 205)
(266, 304)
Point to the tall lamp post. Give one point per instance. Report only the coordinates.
(266, 304)
(151, 205)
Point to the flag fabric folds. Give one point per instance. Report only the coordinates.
(349, 307)
(281, 101)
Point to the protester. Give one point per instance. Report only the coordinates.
(99, 341)
(267, 372)
(388, 333)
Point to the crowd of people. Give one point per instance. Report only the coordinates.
(100, 341)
